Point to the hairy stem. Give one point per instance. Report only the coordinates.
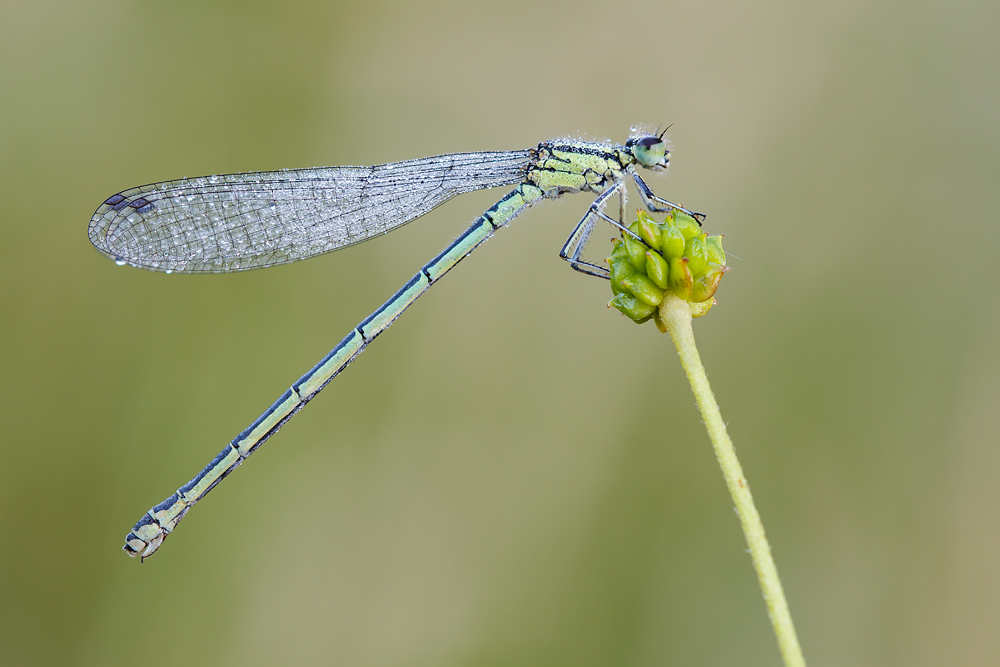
(676, 315)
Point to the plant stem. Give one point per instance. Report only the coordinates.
(676, 315)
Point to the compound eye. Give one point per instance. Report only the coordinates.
(649, 151)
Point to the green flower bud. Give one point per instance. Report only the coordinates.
(635, 309)
(621, 267)
(706, 284)
(689, 226)
(681, 280)
(699, 309)
(715, 252)
(671, 241)
(657, 269)
(645, 289)
(673, 257)
(649, 231)
(696, 250)
(636, 251)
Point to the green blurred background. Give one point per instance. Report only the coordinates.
(513, 474)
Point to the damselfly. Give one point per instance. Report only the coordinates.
(236, 222)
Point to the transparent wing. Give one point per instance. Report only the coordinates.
(246, 221)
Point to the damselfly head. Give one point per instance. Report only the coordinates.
(650, 151)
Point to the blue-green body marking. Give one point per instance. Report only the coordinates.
(175, 226)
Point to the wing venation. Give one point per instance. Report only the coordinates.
(246, 221)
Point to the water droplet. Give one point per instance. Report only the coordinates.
(169, 271)
(120, 262)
